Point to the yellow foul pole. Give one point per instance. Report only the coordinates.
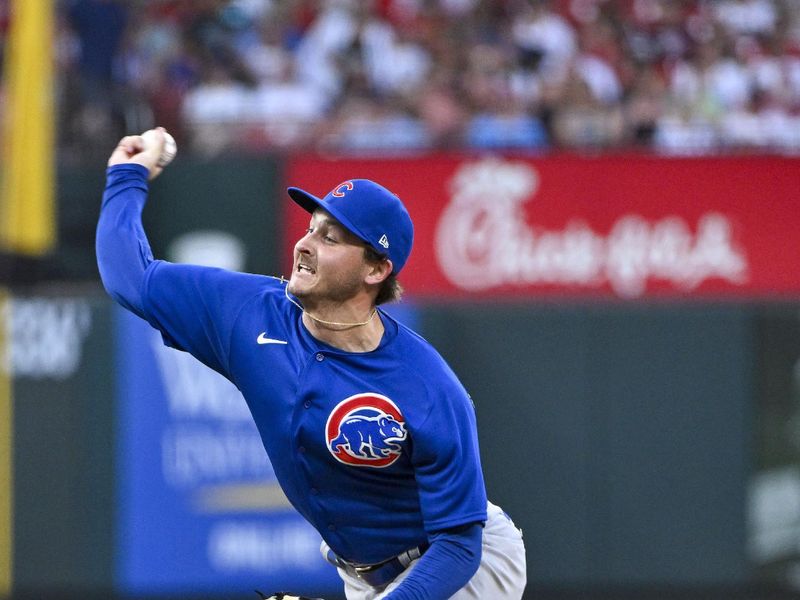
(27, 212)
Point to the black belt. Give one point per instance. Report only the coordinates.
(382, 573)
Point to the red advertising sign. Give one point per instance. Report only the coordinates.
(615, 226)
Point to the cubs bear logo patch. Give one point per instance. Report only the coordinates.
(364, 430)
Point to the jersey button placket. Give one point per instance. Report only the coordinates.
(319, 356)
(307, 421)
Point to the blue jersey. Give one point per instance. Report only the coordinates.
(377, 449)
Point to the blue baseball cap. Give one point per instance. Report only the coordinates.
(369, 211)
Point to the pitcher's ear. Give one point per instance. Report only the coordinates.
(379, 271)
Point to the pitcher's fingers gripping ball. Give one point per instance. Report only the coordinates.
(170, 149)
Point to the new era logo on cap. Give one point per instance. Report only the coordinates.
(371, 212)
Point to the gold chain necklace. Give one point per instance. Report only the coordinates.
(323, 321)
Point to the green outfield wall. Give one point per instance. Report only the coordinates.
(227, 208)
(63, 389)
(6, 459)
(618, 437)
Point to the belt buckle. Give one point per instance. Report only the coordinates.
(366, 568)
(376, 575)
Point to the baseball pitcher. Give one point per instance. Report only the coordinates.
(371, 435)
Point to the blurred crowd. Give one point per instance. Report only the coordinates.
(672, 76)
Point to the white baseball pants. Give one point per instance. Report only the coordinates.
(502, 574)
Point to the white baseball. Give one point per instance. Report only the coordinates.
(170, 147)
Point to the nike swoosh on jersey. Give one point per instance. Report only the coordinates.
(263, 339)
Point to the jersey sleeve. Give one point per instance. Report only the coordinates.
(446, 457)
(123, 252)
(195, 308)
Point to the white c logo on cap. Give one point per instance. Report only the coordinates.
(339, 194)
